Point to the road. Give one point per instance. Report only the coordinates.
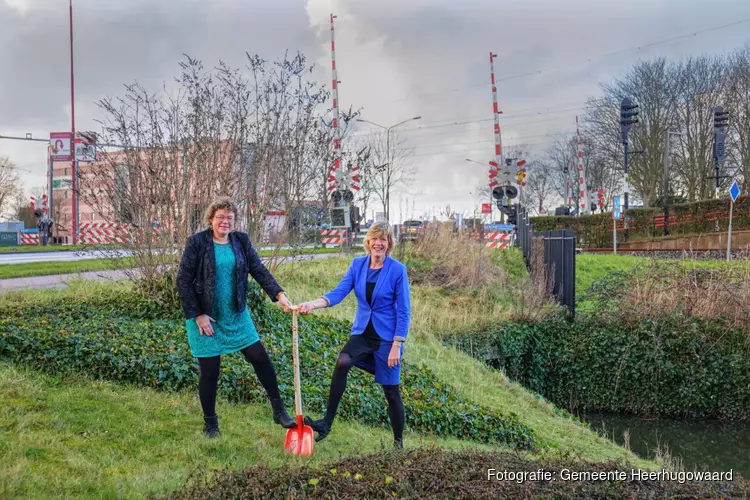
(62, 256)
(61, 280)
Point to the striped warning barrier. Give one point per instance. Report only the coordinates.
(333, 236)
(29, 238)
(97, 233)
(498, 240)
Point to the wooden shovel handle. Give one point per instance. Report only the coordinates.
(295, 344)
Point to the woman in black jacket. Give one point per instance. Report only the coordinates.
(212, 285)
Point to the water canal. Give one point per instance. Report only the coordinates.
(699, 444)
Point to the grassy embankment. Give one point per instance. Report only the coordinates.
(98, 439)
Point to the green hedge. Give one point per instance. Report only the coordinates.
(676, 366)
(120, 337)
(595, 231)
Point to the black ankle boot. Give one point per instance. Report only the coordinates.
(280, 416)
(322, 427)
(211, 426)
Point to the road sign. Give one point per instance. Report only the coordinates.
(498, 227)
(734, 191)
(62, 182)
(616, 208)
(486, 208)
(59, 143)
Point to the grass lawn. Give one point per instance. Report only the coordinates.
(90, 439)
(8, 271)
(591, 267)
(36, 248)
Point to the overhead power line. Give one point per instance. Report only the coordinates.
(585, 61)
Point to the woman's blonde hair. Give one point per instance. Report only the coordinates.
(222, 203)
(380, 229)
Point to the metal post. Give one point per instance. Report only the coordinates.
(614, 234)
(74, 162)
(716, 192)
(666, 183)
(626, 172)
(388, 188)
(51, 190)
(729, 233)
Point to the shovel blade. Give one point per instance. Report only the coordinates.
(300, 439)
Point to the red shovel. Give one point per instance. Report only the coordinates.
(299, 440)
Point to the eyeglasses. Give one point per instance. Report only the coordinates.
(222, 219)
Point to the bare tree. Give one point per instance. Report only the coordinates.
(254, 136)
(652, 85)
(10, 185)
(700, 84)
(539, 189)
(20, 210)
(391, 170)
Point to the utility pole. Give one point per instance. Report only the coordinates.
(582, 193)
(74, 160)
(628, 117)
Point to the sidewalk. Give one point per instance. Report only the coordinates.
(60, 280)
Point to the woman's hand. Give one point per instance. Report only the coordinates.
(285, 303)
(394, 357)
(306, 307)
(204, 324)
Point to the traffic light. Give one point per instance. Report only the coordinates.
(510, 211)
(628, 112)
(721, 118)
(628, 117)
(500, 192)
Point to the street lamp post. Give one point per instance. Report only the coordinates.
(388, 157)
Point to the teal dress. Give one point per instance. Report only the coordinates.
(233, 330)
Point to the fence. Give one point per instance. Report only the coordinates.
(559, 257)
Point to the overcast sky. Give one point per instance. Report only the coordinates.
(396, 59)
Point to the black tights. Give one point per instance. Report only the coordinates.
(392, 396)
(210, 368)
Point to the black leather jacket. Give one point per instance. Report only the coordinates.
(197, 273)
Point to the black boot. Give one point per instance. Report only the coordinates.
(322, 427)
(280, 416)
(211, 426)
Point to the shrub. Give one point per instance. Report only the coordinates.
(434, 473)
(444, 259)
(674, 365)
(119, 337)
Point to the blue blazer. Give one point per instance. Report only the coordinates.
(391, 303)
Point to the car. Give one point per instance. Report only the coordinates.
(411, 230)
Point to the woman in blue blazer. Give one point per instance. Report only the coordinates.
(380, 327)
